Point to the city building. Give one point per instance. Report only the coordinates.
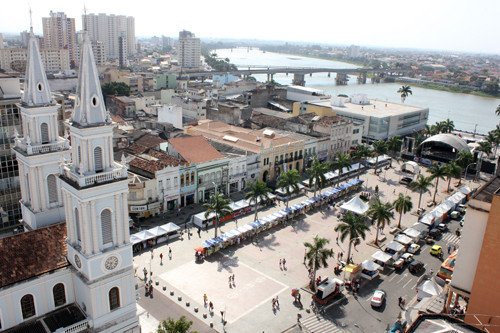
(10, 124)
(189, 50)
(165, 81)
(99, 53)
(54, 60)
(108, 29)
(277, 153)
(1, 41)
(476, 267)
(40, 151)
(302, 94)
(59, 33)
(82, 270)
(170, 114)
(353, 51)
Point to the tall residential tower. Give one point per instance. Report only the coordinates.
(189, 50)
(59, 33)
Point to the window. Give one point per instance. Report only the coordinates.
(59, 294)
(356, 131)
(44, 128)
(52, 187)
(182, 180)
(28, 306)
(114, 298)
(192, 177)
(98, 159)
(187, 179)
(77, 225)
(79, 155)
(106, 228)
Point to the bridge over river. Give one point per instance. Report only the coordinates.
(299, 73)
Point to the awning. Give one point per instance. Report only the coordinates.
(242, 204)
(169, 227)
(351, 268)
(465, 190)
(395, 246)
(381, 256)
(355, 205)
(370, 265)
(157, 231)
(134, 240)
(420, 227)
(403, 239)
(144, 235)
(410, 232)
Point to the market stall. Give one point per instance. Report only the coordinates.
(413, 234)
(370, 270)
(395, 249)
(403, 239)
(356, 206)
(382, 258)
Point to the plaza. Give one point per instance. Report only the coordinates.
(247, 304)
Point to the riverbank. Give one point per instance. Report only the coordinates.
(453, 89)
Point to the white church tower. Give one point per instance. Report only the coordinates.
(41, 150)
(94, 190)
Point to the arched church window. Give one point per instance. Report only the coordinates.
(28, 306)
(114, 298)
(44, 128)
(52, 187)
(77, 225)
(98, 159)
(107, 230)
(59, 294)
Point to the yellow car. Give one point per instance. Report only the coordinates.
(436, 250)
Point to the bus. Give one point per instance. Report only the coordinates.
(446, 270)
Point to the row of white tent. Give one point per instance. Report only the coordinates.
(440, 212)
(163, 230)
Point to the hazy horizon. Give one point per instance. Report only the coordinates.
(455, 26)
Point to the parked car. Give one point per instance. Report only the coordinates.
(436, 250)
(403, 260)
(406, 180)
(442, 227)
(414, 248)
(416, 266)
(435, 233)
(461, 209)
(378, 298)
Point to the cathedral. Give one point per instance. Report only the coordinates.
(72, 270)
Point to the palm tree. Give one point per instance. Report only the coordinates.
(437, 172)
(452, 171)
(317, 255)
(340, 162)
(258, 192)
(497, 111)
(441, 127)
(353, 226)
(379, 148)
(422, 185)
(404, 91)
(380, 213)
(289, 181)
(449, 125)
(394, 146)
(219, 206)
(494, 138)
(402, 205)
(464, 159)
(428, 131)
(317, 174)
(483, 149)
(360, 154)
(175, 326)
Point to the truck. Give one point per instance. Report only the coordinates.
(327, 290)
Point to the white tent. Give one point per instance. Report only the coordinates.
(428, 288)
(395, 246)
(431, 218)
(169, 227)
(370, 265)
(403, 239)
(410, 165)
(410, 232)
(465, 190)
(355, 205)
(381, 256)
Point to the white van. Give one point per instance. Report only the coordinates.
(455, 215)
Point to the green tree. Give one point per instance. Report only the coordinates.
(175, 326)
(402, 205)
(289, 181)
(340, 162)
(422, 185)
(317, 174)
(449, 125)
(317, 256)
(258, 192)
(494, 138)
(360, 154)
(379, 148)
(452, 171)
(404, 91)
(464, 158)
(394, 146)
(484, 149)
(219, 206)
(352, 226)
(441, 127)
(381, 214)
(497, 111)
(115, 88)
(437, 172)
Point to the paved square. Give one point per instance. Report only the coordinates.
(250, 289)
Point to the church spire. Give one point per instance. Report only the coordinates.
(89, 109)
(36, 86)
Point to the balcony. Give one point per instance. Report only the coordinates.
(29, 149)
(83, 180)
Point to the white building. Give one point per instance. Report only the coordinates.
(189, 50)
(170, 114)
(59, 33)
(82, 269)
(53, 60)
(108, 29)
(302, 94)
(193, 108)
(99, 53)
(353, 51)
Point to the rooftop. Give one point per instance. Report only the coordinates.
(153, 161)
(195, 149)
(488, 190)
(46, 252)
(375, 108)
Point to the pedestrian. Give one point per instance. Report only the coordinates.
(233, 278)
(399, 300)
(170, 253)
(222, 314)
(146, 288)
(280, 264)
(205, 299)
(210, 306)
(178, 211)
(431, 272)
(230, 281)
(277, 301)
(273, 304)
(284, 263)
(161, 258)
(337, 239)
(449, 249)
(151, 290)
(185, 226)
(199, 232)
(454, 248)
(298, 318)
(145, 273)
(341, 255)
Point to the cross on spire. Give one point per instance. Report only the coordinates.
(31, 22)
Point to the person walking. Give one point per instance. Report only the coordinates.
(273, 302)
(284, 263)
(205, 299)
(449, 249)
(151, 290)
(233, 278)
(210, 306)
(161, 258)
(145, 271)
(152, 254)
(170, 253)
(230, 281)
(280, 264)
(277, 301)
(199, 232)
(399, 301)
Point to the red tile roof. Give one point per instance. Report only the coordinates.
(195, 149)
(163, 161)
(150, 141)
(32, 253)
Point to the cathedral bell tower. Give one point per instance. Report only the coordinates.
(40, 150)
(94, 190)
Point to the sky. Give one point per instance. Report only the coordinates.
(451, 25)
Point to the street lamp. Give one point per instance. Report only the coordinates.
(465, 175)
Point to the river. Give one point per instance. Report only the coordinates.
(465, 110)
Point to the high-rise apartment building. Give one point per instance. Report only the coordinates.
(1, 41)
(108, 29)
(59, 33)
(10, 124)
(189, 50)
(54, 60)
